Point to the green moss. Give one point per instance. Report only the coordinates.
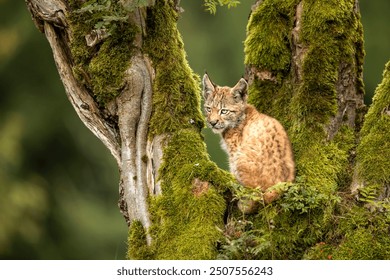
(345, 141)
(176, 97)
(320, 251)
(101, 68)
(357, 233)
(362, 244)
(287, 227)
(310, 225)
(332, 34)
(321, 165)
(304, 215)
(137, 246)
(186, 215)
(184, 219)
(364, 235)
(312, 219)
(268, 48)
(331, 37)
(267, 45)
(271, 98)
(374, 149)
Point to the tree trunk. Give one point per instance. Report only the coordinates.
(373, 166)
(121, 124)
(124, 70)
(123, 67)
(304, 62)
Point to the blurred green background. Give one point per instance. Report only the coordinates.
(58, 183)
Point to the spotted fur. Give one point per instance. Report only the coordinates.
(258, 147)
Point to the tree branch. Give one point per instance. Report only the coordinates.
(127, 139)
(50, 11)
(79, 97)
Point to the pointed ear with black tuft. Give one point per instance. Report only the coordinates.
(208, 86)
(240, 90)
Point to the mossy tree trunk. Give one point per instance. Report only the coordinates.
(124, 70)
(304, 61)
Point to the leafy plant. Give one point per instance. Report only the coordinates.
(242, 242)
(211, 5)
(106, 13)
(284, 229)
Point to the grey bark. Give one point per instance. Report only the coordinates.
(127, 139)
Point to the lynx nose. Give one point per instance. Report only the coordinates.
(213, 123)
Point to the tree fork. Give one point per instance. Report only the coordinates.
(127, 137)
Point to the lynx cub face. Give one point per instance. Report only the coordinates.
(224, 106)
(260, 154)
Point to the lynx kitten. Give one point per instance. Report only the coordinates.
(258, 147)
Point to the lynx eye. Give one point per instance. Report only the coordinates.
(208, 109)
(224, 111)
